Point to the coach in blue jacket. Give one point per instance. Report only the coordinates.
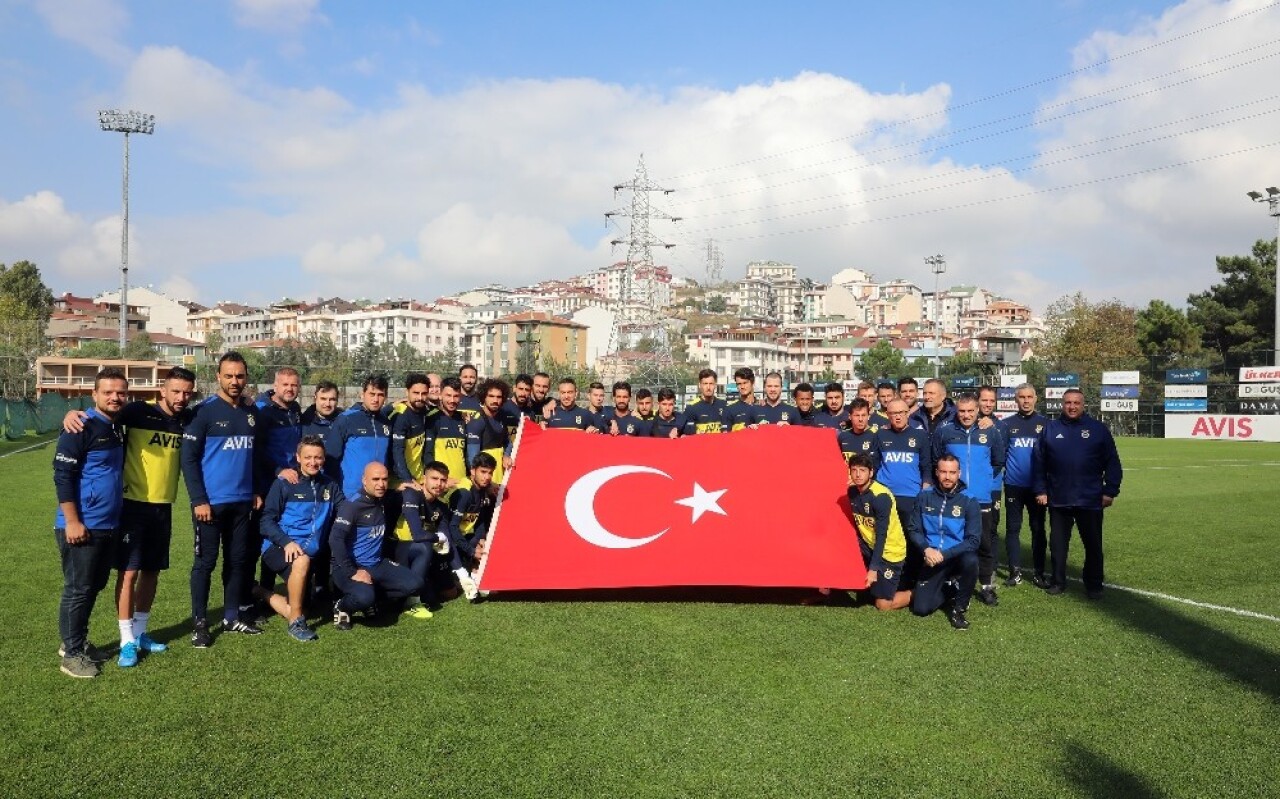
(1077, 474)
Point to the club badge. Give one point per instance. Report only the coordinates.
(955, 511)
(1084, 433)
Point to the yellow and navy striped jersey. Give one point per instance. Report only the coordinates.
(741, 414)
(875, 515)
(701, 416)
(152, 453)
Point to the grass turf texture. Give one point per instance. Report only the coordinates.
(1044, 696)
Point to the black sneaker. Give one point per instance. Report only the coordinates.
(1055, 590)
(341, 618)
(241, 627)
(200, 637)
(80, 666)
(1039, 581)
(987, 596)
(957, 619)
(1094, 593)
(1014, 579)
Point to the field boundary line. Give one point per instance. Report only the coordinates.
(26, 449)
(1252, 614)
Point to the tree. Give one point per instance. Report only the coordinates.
(26, 304)
(139, 348)
(1088, 337)
(98, 350)
(919, 366)
(882, 360)
(365, 360)
(22, 283)
(1238, 314)
(1165, 330)
(717, 304)
(962, 364)
(213, 342)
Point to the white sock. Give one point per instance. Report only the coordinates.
(140, 620)
(463, 574)
(126, 632)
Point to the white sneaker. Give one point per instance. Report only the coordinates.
(469, 588)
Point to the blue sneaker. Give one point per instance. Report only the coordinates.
(148, 644)
(300, 631)
(128, 655)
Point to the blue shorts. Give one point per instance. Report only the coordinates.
(886, 584)
(274, 560)
(142, 544)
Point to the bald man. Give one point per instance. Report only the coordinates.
(360, 571)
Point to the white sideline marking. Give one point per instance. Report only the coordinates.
(1170, 598)
(25, 449)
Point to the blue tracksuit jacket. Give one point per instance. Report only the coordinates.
(220, 448)
(300, 513)
(358, 438)
(981, 455)
(1021, 434)
(948, 521)
(1076, 463)
(88, 469)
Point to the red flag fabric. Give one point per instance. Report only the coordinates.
(763, 507)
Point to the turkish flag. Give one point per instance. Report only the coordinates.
(763, 507)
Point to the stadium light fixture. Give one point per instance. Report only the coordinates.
(938, 263)
(1273, 209)
(125, 122)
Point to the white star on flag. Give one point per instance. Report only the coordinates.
(703, 501)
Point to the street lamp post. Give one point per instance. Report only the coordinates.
(1272, 199)
(125, 122)
(938, 263)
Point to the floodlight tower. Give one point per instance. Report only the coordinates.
(125, 122)
(938, 263)
(1272, 199)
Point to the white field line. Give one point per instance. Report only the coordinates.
(1217, 465)
(26, 449)
(1193, 603)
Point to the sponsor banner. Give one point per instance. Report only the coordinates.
(1186, 377)
(1119, 392)
(1230, 428)
(1121, 405)
(851, 386)
(1063, 380)
(1005, 393)
(1257, 406)
(1127, 378)
(1186, 405)
(1006, 405)
(1259, 390)
(1181, 392)
(964, 381)
(1052, 407)
(1012, 381)
(1260, 374)
(1056, 392)
(690, 391)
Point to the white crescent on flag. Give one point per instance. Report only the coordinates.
(580, 507)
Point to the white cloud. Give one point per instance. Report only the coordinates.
(96, 25)
(508, 180)
(276, 15)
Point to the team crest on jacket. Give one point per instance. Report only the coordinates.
(1039, 429)
(982, 438)
(325, 495)
(251, 420)
(866, 445)
(888, 574)
(785, 416)
(911, 442)
(386, 431)
(1084, 433)
(955, 510)
(577, 420)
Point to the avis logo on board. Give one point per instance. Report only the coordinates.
(1209, 427)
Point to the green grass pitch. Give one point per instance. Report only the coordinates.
(1044, 697)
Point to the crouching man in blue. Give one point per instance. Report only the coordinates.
(360, 571)
(296, 521)
(946, 526)
(88, 475)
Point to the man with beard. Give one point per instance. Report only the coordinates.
(488, 432)
(409, 430)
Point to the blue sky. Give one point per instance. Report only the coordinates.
(308, 148)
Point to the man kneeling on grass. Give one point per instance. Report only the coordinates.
(296, 521)
(360, 571)
(420, 533)
(946, 526)
(880, 536)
